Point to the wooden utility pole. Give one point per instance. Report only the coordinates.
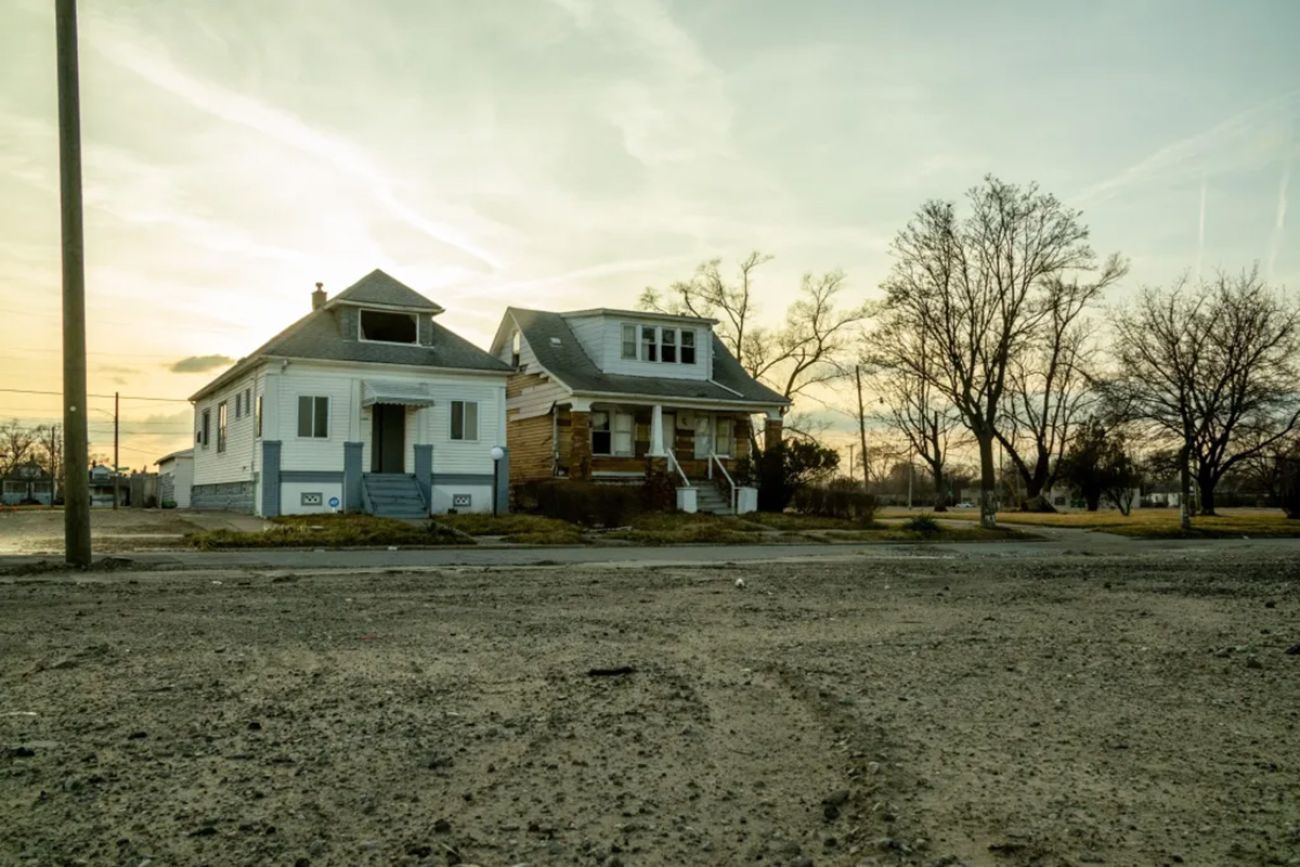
(862, 430)
(54, 464)
(117, 405)
(76, 484)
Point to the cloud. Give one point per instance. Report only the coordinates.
(200, 363)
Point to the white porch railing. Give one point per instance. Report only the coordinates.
(734, 499)
(673, 464)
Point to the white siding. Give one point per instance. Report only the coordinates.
(238, 462)
(592, 335)
(349, 421)
(611, 360)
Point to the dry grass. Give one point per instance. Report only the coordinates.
(476, 524)
(794, 522)
(1142, 523)
(677, 528)
(328, 531)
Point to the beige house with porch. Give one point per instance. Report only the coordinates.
(615, 395)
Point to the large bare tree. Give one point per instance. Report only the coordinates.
(978, 290)
(1049, 383)
(1215, 368)
(18, 444)
(808, 348)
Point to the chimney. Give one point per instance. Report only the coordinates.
(318, 297)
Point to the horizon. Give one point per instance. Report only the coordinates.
(549, 155)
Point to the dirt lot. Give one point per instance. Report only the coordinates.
(40, 530)
(912, 710)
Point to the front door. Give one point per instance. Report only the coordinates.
(668, 428)
(388, 438)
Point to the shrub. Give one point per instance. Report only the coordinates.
(582, 502)
(926, 525)
(1290, 488)
(841, 498)
(787, 467)
(659, 494)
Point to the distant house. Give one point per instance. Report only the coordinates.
(613, 395)
(102, 480)
(364, 404)
(175, 478)
(27, 483)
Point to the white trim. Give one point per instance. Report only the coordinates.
(403, 308)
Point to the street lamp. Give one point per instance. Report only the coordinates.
(497, 454)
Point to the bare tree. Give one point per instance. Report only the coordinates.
(807, 349)
(1049, 383)
(1215, 368)
(978, 291)
(18, 443)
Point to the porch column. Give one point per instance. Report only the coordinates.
(657, 431)
(270, 478)
(772, 430)
(424, 472)
(352, 477)
(580, 440)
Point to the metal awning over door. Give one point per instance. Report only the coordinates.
(375, 391)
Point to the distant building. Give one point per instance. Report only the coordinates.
(175, 478)
(27, 483)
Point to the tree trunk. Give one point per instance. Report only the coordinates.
(940, 492)
(1093, 500)
(1185, 493)
(1206, 485)
(988, 483)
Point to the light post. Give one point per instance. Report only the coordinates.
(497, 454)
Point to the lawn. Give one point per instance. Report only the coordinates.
(1142, 523)
(518, 528)
(676, 528)
(328, 531)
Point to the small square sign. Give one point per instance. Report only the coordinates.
(461, 501)
(313, 498)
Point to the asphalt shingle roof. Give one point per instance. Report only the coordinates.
(378, 287)
(318, 336)
(569, 362)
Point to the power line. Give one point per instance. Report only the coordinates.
(124, 397)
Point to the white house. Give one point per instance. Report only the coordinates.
(176, 478)
(366, 404)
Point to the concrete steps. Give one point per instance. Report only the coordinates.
(393, 495)
(709, 498)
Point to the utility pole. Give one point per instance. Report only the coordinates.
(54, 464)
(862, 431)
(76, 485)
(117, 402)
(910, 475)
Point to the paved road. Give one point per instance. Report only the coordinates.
(1054, 542)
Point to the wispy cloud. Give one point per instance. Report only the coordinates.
(200, 363)
(1279, 221)
(127, 50)
(1252, 139)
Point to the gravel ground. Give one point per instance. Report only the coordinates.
(40, 530)
(914, 710)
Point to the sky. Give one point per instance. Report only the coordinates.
(563, 154)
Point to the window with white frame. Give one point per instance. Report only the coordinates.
(464, 420)
(649, 343)
(313, 417)
(601, 441)
(239, 403)
(668, 345)
(624, 425)
(248, 401)
(221, 426)
(688, 346)
(629, 342)
(205, 426)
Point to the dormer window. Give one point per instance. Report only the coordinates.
(659, 343)
(516, 345)
(688, 347)
(649, 343)
(668, 351)
(629, 342)
(386, 327)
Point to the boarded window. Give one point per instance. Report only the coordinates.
(313, 416)
(622, 435)
(726, 437)
(388, 327)
(464, 420)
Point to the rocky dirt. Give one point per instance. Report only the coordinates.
(35, 530)
(913, 710)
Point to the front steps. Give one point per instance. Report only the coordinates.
(393, 495)
(709, 498)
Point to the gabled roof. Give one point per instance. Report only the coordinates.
(379, 289)
(316, 336)
(558, 351)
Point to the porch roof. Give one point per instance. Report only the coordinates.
(375, 391)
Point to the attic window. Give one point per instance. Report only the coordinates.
(388, 327)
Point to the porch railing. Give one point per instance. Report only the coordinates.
(735, 497)
(672, 463)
